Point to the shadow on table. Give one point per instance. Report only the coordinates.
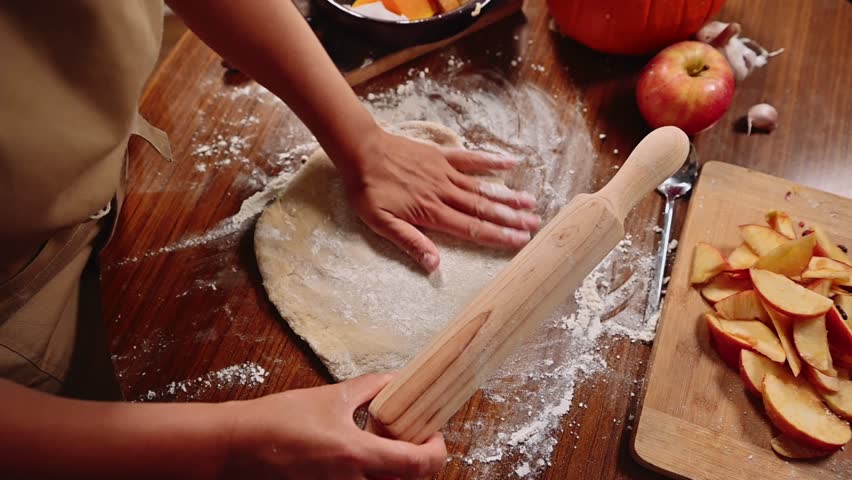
(607, 83)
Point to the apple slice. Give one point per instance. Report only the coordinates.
(821, 286)
(790, 259)
(840, 278)
(787, 296)
(839, 330)
(723, 286)
(707, 262)
(796, 410)
(758, 336)
(840, 401)
(781, 223)
(822, 267)
(843, 303)
(727, 346)
(827, 248)
(744, 305)
(835, 290)
(821, 381)
(762, 240)
(820, 262)
(754, 366)
(784, 328)
(742, 258)
(740, 275)
(789, 448)
(811, 338)
(841, 358)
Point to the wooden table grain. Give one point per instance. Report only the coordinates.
(176, 314)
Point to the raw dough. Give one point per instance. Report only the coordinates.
(361, 304)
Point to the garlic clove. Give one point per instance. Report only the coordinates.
(762, 116)
(710, 31)
(744, 54)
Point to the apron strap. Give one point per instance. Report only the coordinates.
(153, 135)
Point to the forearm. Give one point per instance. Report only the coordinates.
(269, 40)
(51, 437)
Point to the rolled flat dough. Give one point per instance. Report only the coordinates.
(361, 304)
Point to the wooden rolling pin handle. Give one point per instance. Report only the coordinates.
(437, 382)
(657, 156)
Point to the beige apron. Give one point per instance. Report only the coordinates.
(73, 74)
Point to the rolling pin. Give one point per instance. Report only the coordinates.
(447, 372)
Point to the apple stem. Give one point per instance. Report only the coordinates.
(696, 70)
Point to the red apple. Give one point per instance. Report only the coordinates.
(689, 85)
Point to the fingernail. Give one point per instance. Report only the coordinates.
(496, 191)
(518, 237)
(507, 214)
(505, 159)
(429, 261)
(532, 221)
(526, 197)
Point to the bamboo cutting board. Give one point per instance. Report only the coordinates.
(696, 420)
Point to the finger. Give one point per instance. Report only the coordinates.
(495, 191)
(497, 213)
(360, 390)
(408, 238)
(458, 224)
(471, 161)
(395, 458)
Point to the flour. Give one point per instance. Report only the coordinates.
(484, 108)
(249, 209)
(225, 150)
(672, 245)
(552, 365)
(245, 374)
(494, 115)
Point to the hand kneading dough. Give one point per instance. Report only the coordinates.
(362, 305)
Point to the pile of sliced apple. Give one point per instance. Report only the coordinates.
(782, 316)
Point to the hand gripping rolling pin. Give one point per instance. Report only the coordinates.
(441, 378)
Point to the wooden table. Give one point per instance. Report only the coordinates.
(177, 315)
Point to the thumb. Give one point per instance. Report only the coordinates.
(408, 238)
(360, 390)
(398, 459)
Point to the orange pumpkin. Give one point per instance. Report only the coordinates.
(631, 27)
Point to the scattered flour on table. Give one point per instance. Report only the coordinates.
(228, 149)
(250, 208)
(535, 388)
(245, 374)
(672, 245)
(487, 110)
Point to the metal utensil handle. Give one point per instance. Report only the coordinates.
(656, 291)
